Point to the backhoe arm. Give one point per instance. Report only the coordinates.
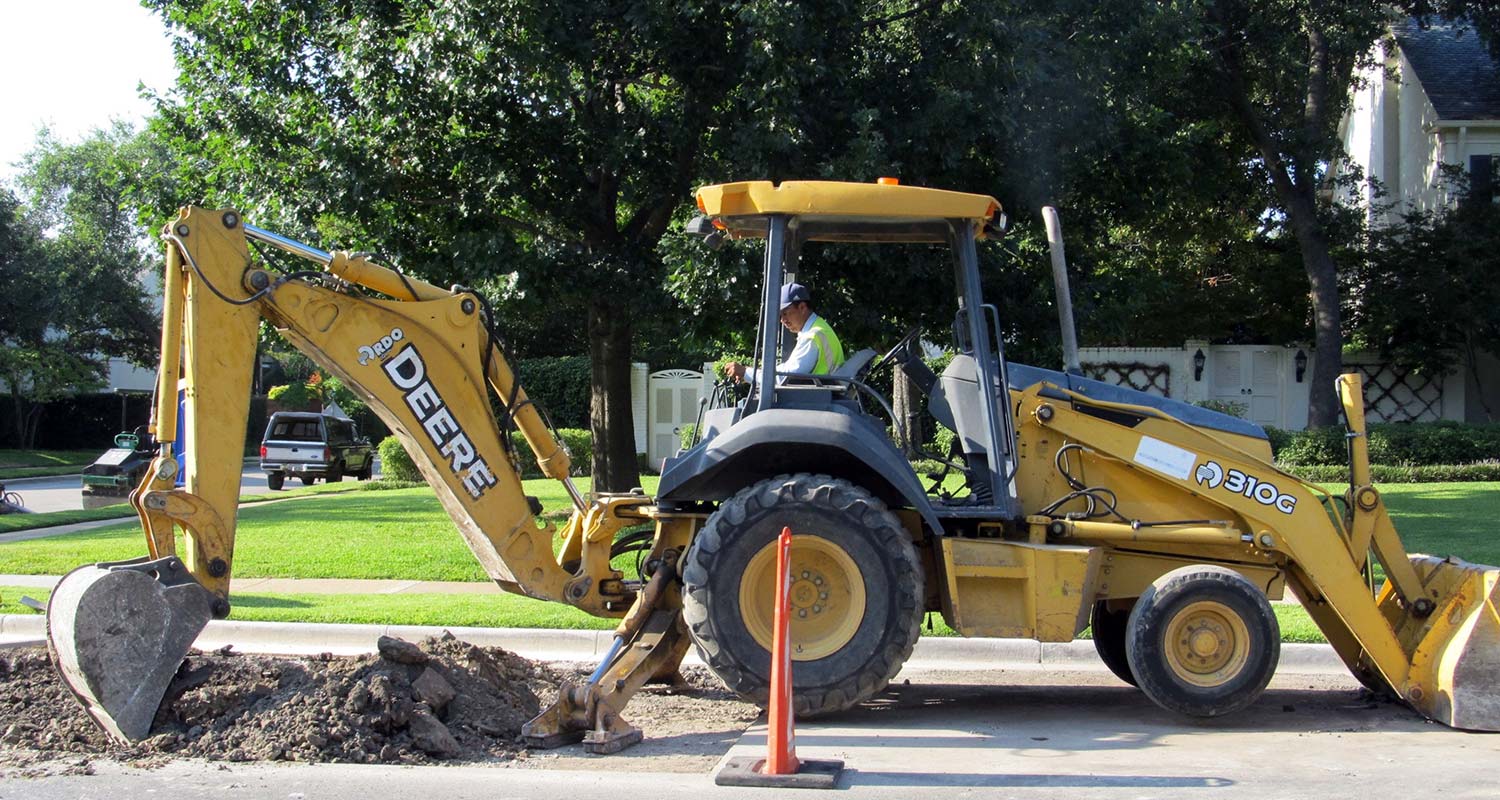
(424, 361)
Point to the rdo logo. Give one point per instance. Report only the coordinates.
(370, 352)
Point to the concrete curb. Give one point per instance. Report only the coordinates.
(575, 645)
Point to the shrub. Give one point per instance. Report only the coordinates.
(580, 444)
(1310, 447)
(687, 434)
(1230, 407)
(395, 462)
(292, 395)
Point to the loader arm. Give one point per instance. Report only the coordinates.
(423, 359)
(1431, 634)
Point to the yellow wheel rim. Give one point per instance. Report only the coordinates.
(1207, 644)
(827, 597)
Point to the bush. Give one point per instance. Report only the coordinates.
(1404, 444)
(291, 395)
(395, 462)
(560, 385)
(397, 465)
(580, 444)
(1230, 407)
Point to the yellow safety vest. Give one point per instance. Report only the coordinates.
(830, 349)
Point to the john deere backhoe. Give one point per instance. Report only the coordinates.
(1163, 525)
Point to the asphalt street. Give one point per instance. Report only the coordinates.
(65, 492)
(1005, 732)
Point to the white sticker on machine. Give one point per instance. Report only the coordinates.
(1165, 458)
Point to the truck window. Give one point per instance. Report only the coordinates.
(296, 430)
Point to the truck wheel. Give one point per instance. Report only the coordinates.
(1109, 628)
(275, 480)
(335, 473)
(1203, 641)
(367, 471)
(856, 594)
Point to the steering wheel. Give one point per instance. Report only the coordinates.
(889, 356)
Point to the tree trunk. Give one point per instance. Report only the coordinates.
(1328, 341)
(906, 402)
(610, 418)
(1298, 197)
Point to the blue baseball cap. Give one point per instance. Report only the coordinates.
(794, 293)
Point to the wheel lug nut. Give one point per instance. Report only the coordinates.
(817, 609)
(806, 574)
(802, 612)
(823, 596)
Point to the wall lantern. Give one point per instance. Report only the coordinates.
(1198, 361)
(1301, 361)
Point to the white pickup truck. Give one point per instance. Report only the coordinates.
(311, 446)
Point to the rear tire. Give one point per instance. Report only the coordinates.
(366, 472)
(1109, 639)
(307, 480)
(1203, 641)
(275, 480)
(335, 473)
(857, 596)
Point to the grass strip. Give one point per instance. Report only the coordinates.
(10, 457)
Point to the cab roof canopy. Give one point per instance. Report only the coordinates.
(834, 211)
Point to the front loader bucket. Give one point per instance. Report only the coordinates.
(1455, 667)
(119, 631)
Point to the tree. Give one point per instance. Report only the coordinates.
(1425, 296)
(71, 262)
(473, 139)
(1277, 75)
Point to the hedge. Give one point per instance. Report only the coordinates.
(1398, 473)
(1405, 444)
(561, 385)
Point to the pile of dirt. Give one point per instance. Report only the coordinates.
(441, 700)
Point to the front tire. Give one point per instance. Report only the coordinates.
(1203, 641)
(856, 594)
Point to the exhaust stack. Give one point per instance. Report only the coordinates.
(1064, 295)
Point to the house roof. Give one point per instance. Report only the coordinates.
(1454, 64)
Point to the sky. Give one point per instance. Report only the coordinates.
(73, 65)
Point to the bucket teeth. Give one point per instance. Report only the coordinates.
(119, 632)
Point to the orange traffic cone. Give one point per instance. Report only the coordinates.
(781, 736)
(781, 767)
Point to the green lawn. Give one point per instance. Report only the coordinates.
(398, 534)
(42, 463)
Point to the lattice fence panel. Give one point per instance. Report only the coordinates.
(1393, 394)
(1149, 378)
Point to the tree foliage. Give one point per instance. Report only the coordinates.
(71, 267)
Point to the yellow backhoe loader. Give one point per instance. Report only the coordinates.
(1162, 524)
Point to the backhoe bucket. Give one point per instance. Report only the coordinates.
(1455, 667)
(119, 631)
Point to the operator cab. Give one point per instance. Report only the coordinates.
(837, 423)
